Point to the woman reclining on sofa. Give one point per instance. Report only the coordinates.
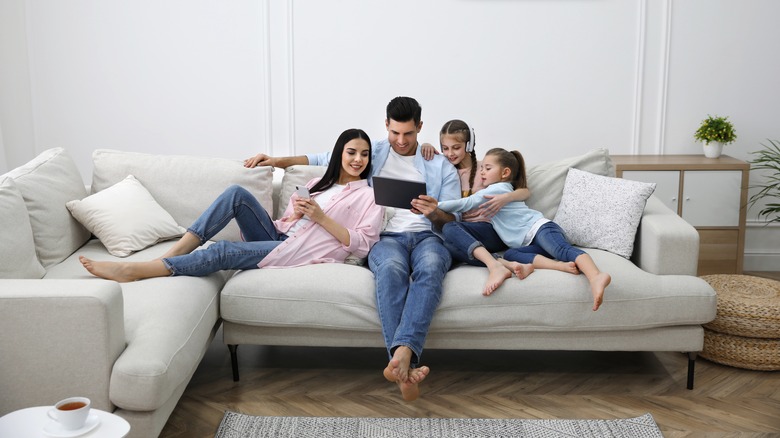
(324, 226)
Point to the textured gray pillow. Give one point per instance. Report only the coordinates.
(602, 212)
(17, 259)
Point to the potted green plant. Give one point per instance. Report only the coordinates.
(716, 130)
(768, 159)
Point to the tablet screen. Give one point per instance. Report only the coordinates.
(393, 192)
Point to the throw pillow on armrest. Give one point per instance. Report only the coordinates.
(125, 217)
(602, 212)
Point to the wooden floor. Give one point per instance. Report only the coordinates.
(289, 381)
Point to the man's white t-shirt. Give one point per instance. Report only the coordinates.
(402, 167)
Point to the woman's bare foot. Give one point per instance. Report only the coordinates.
(496, 276)
(109, 270)
(521, 270)
(124, 272)
(597, 285)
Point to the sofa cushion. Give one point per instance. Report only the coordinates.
(295, 176)
(183, 185)
(125, 217)
(168, 323)
(546, 180)
(46, 183)
(547, 300)
(602, 212)
(17, 259)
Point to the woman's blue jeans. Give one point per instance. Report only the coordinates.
(462, 238)
(256, 226)
(550, 241)
(408, 270)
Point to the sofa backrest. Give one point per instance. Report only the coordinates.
(17, 258)
(545, 180)
(46, 183)
(183, 185)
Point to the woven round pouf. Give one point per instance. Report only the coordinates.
(746, 330)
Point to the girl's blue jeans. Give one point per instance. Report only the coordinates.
(550, 241)
(408, 269)
(462, 238)
(256, 226)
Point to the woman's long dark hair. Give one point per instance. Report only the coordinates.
(334, 167)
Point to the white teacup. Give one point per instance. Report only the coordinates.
(71, 413)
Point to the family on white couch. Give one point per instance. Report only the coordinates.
(148, 354)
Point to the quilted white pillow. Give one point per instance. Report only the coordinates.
(125, 217)
(602, 212)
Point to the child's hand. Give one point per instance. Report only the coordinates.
(428, 151)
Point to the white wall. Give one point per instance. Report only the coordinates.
(229, 79)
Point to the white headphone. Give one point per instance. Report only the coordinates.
(472, 140)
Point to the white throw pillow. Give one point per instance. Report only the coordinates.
(17, 259)
(125, 217)
(602, 212)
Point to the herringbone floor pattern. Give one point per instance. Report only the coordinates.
(288, 381)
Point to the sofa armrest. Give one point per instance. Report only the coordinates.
(58, 338)
(665, 242)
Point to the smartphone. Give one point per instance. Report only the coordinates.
(302, 192)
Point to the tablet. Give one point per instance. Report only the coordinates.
(393, 192)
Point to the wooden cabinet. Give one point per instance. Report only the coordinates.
(709, 193)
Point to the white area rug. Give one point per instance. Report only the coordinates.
(235, 425)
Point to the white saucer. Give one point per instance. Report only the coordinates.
(54, 429)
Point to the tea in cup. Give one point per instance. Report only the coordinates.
(71, 413)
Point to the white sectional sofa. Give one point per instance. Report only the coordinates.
(133, 347)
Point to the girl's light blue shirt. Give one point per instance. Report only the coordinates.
(512, 222)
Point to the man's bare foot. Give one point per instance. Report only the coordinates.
(109, 270)
(398, 367)
(496, 276)
(521, 270)
(410, 390)
(597, 286)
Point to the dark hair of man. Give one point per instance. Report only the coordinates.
(402, 109)
(333, 171)
(461, 129)
(514, 161)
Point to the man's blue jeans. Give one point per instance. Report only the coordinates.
(256, 226)
(408, 270)
(462, 238)
(549, 242)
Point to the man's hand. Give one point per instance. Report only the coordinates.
(425, 205)
(259, 160)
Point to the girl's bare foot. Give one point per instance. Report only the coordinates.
(521, 270)
(398, 371)
(496, 276)
(597, 285)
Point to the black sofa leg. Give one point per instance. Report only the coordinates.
(691, 366)
(234, 360)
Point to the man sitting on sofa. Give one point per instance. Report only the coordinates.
(410, 260)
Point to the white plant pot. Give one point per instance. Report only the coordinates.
(713, 150)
